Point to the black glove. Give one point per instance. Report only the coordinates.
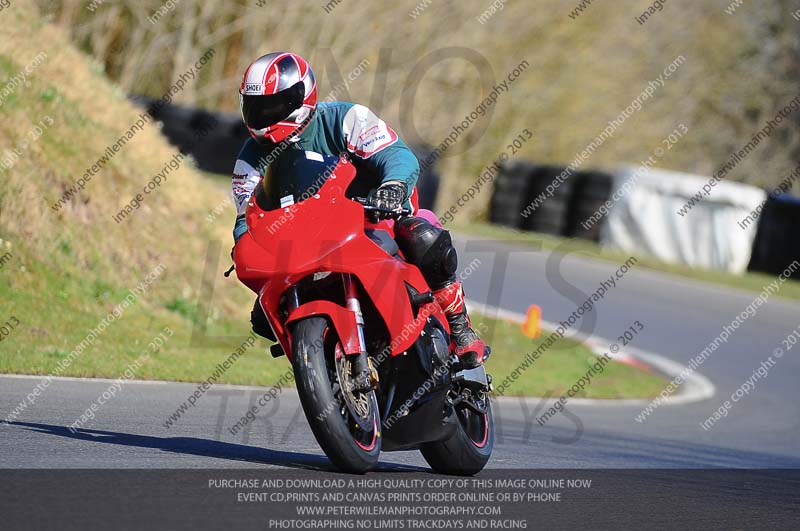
(388, 196)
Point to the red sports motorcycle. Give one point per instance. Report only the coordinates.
(368, 343)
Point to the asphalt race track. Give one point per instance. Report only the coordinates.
(681, 318)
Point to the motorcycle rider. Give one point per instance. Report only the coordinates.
(278, 101)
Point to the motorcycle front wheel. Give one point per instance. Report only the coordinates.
(346, 424)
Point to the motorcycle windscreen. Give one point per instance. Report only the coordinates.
(293, 177)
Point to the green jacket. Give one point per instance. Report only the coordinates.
(376, 151)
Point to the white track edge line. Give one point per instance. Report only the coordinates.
(695, 387)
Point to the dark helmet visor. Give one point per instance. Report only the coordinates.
(260, 112)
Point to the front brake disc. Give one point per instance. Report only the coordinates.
(360, 405)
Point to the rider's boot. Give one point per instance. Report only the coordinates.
(464, 341)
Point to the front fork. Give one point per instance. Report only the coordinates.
(365, 377)
(354, 305)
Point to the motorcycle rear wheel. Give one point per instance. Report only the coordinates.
(469, 449)
(349, 447)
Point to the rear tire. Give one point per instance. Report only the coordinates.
(460, 455)
(316, 383)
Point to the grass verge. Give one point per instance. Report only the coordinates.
(559, 367)
(42, 345)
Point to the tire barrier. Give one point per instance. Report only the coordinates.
(550, 217)
(216, 150)
(777, 241)
(592, 190)
(510, 193)
(521, 199)
(429, 178)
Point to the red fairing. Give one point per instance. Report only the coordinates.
(341, 317)
(326, 233)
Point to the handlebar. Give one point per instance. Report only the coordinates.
(378, 210)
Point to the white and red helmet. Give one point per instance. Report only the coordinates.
(278, 96)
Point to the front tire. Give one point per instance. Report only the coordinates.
(349, 447)
(469, 449)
